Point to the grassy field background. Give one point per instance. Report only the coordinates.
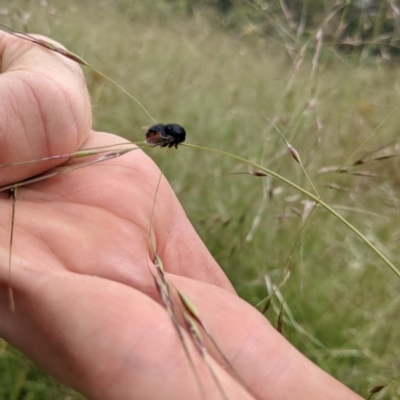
(225, 87)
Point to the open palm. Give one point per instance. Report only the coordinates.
(86, 308)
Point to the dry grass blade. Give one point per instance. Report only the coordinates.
(361, 173)
(381, 153)
(191, 313)
(13, 195)
(376, 389)
(279, 325)
(104, 156)
(164, 291)
(288, 318)
(258, 173)
(268, 299)
(163, 288)
(192, 322)
(197, 338)
(46, 45)
(351, 171)
(385, 152)
(76, 154)
(267, 305)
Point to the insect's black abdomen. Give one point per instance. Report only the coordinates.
(177, 132)
(165, 135)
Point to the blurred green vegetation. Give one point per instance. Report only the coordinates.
(226, 84)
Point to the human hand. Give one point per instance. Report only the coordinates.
(86, 306)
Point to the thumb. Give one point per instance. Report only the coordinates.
(44, 107)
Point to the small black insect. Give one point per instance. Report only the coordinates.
(167, 135)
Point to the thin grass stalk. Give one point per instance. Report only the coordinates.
(341, 169)
(286, 13)
(379, 20)
(341, 23)
(300, 58)
(72, 56)
(163, 287)
(395, 18)
(190, 316)
(318, 39)
(294, 153)
(263, 204)
(303, 18)
(306, 193)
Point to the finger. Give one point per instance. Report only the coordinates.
(44, 106)
(269, 364)
(109, 341)
(106, 340)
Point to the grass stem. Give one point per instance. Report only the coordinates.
(306, 193)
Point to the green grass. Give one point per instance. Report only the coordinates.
(221, 87)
